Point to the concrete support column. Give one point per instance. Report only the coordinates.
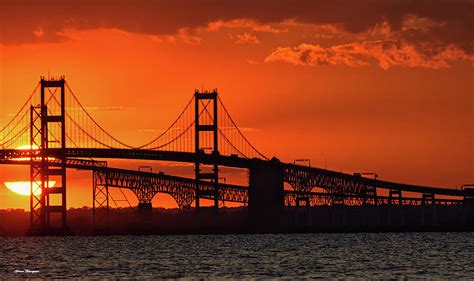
(266, 197)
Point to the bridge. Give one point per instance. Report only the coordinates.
(53, 132)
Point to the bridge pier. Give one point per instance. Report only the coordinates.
(266, 195)
(303, 211)
(468, 208)
(338, 216)
(428, 206)
(145, 209)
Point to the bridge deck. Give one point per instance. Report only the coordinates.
(9, 156)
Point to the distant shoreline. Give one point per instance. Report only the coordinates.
(336, 219)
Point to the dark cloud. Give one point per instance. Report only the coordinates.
(27, 21)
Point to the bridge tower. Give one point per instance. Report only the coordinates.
(48, 136)
(202, 127)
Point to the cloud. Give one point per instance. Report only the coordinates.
(242, 129)
(246, 38)
(107, 108)
(183, 35)
(179, 129)
(20, 20)
(248, 129)
(149, 131)
(243, 24)
(307, 54)
(187, 37)
(387, 54)
(163, 39)
(39, 32)
(251, 61)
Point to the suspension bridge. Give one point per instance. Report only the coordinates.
(53, 131)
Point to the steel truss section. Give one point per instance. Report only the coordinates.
(146, 185)
(327, 199)
(36, 168)
(100, 200)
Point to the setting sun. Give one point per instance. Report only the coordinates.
(24, 187)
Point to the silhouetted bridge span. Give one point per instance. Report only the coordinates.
(59, 134)
(300, 177)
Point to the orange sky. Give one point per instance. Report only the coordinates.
(389, 91)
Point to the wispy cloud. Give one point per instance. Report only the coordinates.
(184, 35)
(107, 108)
(242, 129)
(243, 24)
(246, 39)
(150, 131)
(387, 53)
(251, 61)
(173, 129)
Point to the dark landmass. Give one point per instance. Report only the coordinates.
(128, 221)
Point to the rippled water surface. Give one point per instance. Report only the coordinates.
(391, 255)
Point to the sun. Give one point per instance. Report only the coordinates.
(24, 187)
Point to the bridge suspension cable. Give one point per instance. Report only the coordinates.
(86, 129)
(176, 125)
(230, 134)
(82, 130)
(111, 142)
(24, 106)
(182, 137)
(15, 133)
(179, 136)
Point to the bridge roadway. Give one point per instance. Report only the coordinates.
(146, 185)
(302, 178)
